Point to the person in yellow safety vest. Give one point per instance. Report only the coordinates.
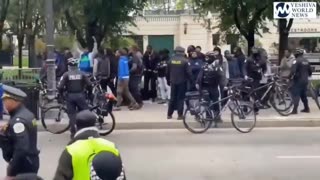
(88, 156)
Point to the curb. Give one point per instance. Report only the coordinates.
(179, 124)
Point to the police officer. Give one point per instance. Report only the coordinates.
(104, 161)
(179, 72)
(195, 64)
(74, 82)
(209, 79)
(255, 66)
(21, 150)
(300, 72)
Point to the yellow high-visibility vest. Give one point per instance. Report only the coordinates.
(83, 152)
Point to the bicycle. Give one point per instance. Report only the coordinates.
(204, 117)
(277, 94)
(314, 93)
(54, 121)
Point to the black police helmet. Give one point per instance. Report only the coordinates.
(85, 119)
(298, 52)
(107, 165)
(73, 62)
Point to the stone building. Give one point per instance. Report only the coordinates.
(185, 29)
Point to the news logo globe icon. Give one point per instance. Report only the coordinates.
(282, 9)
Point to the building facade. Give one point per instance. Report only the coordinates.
(168, 31)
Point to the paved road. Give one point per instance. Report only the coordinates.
(265, 154)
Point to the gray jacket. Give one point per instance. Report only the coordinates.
(286, 65)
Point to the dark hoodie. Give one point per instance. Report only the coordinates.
(196, 65)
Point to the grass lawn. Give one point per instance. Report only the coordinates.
(25, 61)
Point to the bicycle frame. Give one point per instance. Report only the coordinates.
(230, 98)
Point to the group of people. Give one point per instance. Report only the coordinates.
(87, 156)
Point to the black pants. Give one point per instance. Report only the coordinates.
(299, 90)
(108, 82)
(150, 77)
(214, 97)
(75, 102)
(223, 94)
(178, 92)
(134, 87)
(28, 164)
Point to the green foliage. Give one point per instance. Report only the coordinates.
(64, 41)
(119, 42)
(40, 46)
(26, 17)
(98, 18)
(237, 15)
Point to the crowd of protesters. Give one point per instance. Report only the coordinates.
(135, 76)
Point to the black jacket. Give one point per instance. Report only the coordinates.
(150, 62)
(255, 68)
(74, 81)
(162, 66)
(22, 134)
(209, 76)
(179, 70)
(113, 66)
(301, 70)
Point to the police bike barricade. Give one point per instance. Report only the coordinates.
(199, 116)
(54, 116)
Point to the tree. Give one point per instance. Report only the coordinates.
(4, 5)
(26, 20)
(98, 18)
(244, 16)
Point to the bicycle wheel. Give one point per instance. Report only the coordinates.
(282, 102)
(245, 120)
(104, 126)
(314, 95)
(55, 119)
(198, 123)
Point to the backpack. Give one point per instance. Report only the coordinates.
(103, 67)
(84, 63)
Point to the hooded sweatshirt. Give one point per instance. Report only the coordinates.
(285, 66)
(123, 68)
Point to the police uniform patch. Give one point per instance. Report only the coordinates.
(18, 128)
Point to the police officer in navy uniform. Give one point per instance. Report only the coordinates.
(21, 150)
(300, 73)
(74, 82)
(255, 67)
(209, 79)
(179, 73)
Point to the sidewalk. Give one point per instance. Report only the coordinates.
(154, 116)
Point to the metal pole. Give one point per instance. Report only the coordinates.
(51, 67)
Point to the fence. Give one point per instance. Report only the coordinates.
(24, 79)
(24, 76)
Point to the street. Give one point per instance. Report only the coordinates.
(264, 154)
